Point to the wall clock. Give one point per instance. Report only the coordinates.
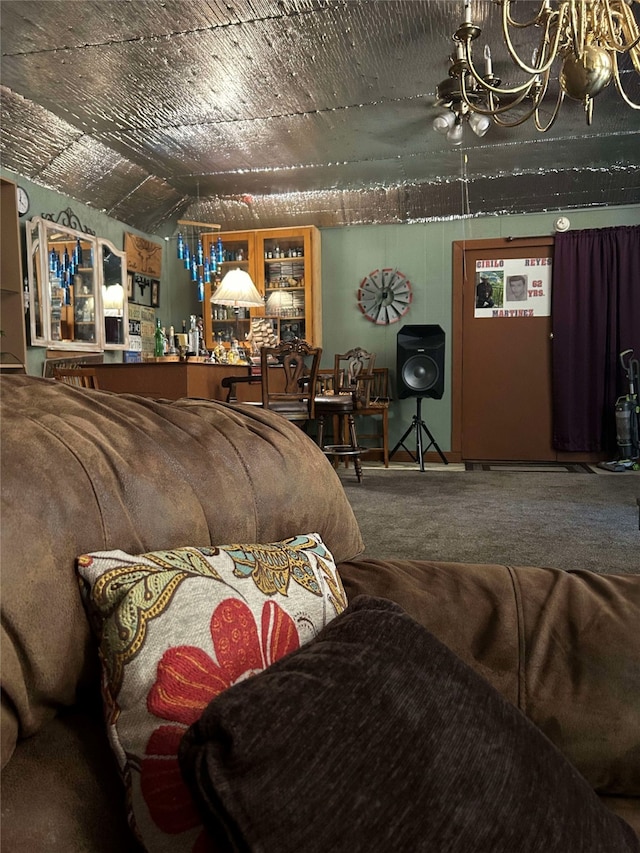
(384, 296)
(23, 201)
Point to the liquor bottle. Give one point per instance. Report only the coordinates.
(158, 346)
(194, 338)
(172, 341)
(202, 350)
(220, 250)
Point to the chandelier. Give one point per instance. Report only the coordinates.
(579, 39)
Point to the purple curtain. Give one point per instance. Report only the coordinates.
(595, 316)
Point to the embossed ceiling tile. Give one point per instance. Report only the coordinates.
(30, 137)
(150, 205)
(326, 208)
(557, 191)
(298, 178)
(258, 97)
(56, 24)
(91, 172)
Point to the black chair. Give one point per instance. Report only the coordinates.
(351, 386)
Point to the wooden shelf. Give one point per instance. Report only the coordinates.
(257, 244)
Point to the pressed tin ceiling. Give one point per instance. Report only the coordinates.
(268, 113)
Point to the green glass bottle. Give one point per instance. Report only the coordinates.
(158, 349)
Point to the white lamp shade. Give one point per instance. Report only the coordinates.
(237, 289)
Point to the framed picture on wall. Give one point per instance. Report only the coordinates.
(146, 290)
(130, 286)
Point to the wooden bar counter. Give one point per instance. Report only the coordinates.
(168, 380)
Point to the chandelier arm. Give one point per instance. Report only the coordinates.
(474, 107)
(545, 38)
(535, 109)
(577, 21)
(501, 122)
(521, 25)
(485, 83)
(628, 27)
(621, 91)
(556, 111)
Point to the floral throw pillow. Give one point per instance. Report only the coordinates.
(176, 628)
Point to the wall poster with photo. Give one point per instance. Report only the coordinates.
(513, 287)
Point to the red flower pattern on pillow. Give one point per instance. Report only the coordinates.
(187, 680)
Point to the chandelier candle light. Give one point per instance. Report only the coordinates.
(582, 38)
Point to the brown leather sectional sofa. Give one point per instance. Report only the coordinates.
(88, 470)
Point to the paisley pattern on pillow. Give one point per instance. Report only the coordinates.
(175, 629)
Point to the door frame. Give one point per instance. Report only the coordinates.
(459, 267)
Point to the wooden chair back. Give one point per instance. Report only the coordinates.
(378, 405)
(289, 373)
(81, 377)
(353, 374)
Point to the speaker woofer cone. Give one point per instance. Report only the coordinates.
(420, 373)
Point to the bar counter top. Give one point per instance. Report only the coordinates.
(169, 380)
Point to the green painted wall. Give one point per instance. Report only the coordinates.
(422, 252)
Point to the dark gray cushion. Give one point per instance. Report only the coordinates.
(376, 737)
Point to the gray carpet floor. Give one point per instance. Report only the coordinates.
(562, 520)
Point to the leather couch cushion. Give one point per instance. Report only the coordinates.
(564, 647)
(375, 736)
(91, 471)
(61, 792)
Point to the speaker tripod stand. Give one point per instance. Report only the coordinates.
(419, 426)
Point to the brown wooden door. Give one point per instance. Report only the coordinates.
(503, 362)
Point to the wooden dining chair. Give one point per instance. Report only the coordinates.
(289, 372)
(81, 377)
(377, 406)
(351, 391)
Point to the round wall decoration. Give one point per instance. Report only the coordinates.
(384, 296)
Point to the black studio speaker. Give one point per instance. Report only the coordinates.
(420, 361)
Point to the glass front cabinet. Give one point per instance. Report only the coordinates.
(77, 287)
(284, 264)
